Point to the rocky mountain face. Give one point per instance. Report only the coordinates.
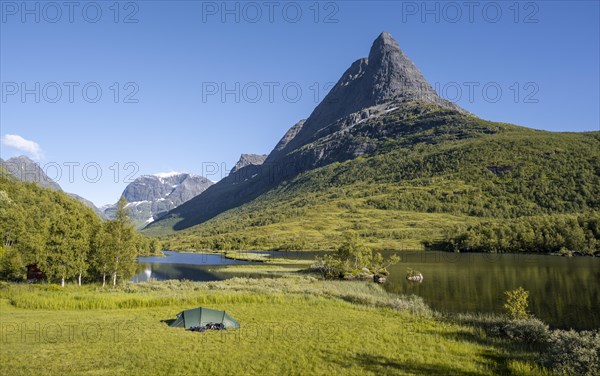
(248, 160)
(349, 122)
(151, 196)
(387, 76)
(25, 169)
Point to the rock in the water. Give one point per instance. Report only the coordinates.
(415, 278)
(379, 279)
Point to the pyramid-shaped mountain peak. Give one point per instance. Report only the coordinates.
(391, 75)
(386, 76)
(384, 41)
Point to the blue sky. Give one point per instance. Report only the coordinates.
(530, 63)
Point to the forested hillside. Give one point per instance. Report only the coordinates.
(434, 173)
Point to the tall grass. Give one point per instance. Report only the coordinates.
(235, 290)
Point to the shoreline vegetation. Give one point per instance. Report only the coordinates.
(263, 258)
(299, 309)
(558, 234)
(240, 254)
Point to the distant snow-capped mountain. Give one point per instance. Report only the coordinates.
(151, 196)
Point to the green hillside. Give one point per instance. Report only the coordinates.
(431, 170)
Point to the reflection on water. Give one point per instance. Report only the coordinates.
(163, 272)
(564, 292)
(189, 266)
(190, 259)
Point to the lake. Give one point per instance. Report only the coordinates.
(176, 265)
(564, 291)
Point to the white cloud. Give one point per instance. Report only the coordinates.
(17, 142)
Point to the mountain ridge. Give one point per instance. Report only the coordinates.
(380, 147)
(386, 75)
(150, 196)
(371, 87)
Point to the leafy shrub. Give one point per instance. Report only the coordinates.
(528, 330)
(573, 353)
(517, 302)
(353, 260)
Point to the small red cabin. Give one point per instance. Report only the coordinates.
(34, 273)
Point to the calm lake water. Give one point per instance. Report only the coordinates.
(564, 292)
(190, 266)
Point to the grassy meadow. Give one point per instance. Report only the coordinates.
(289, 325)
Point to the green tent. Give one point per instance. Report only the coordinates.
(202, 316)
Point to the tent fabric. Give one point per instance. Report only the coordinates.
(202, 316)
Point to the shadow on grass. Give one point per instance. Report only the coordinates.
(511, 350)
(168, 321)
(382, 365)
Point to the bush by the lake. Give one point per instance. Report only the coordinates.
(565, 352)
(528, 330)
(516, 303)
(353, 260)
(573, 353)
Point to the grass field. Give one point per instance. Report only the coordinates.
(291, 325)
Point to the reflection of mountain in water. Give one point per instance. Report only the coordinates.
(143, 276)
(203, 259)
(189, 266)
(162, 272)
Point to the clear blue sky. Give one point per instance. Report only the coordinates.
(178, 50)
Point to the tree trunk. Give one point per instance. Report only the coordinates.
(115, 272)
(103, 279)
(79, 279)
(62, 282)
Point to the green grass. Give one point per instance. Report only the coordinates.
(288, 326)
